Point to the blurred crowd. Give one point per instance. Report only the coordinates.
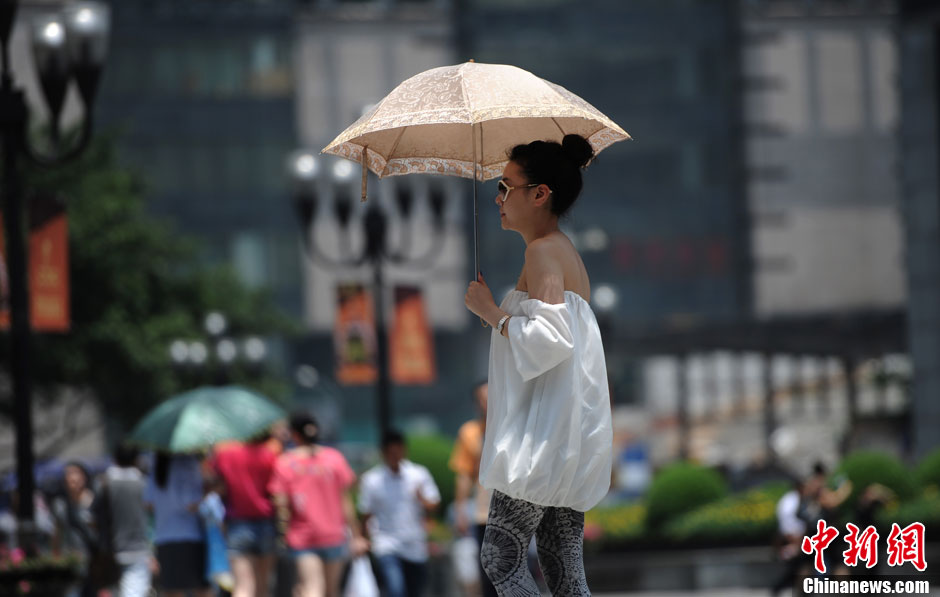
(818, 498)
(218, 523)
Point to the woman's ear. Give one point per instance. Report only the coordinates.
(542, 195)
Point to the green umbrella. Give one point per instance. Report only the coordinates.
(197, 419)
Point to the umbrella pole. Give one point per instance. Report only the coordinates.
(476, 215)
(476, 211)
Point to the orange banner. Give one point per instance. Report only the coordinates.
(48, 268)
(354, 339)
(412, 344)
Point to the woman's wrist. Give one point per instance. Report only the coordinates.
(494, 316)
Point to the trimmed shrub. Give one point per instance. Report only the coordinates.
(615, 524)
(433, 451)
(866, 467)
(924, 508)
(745, 518)
(680, 488)
(928, 471)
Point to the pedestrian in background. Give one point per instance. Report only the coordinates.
(74, 518)
(310, 487)
(243, 472)
(465, 462)
(395, 498)
(549, 436)
(121, 519)
(174, 490)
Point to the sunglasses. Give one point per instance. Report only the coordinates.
(502, 189)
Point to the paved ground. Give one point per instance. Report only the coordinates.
(713, 593)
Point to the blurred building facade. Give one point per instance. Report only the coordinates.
(200, 95)
(662, 218)
(822, 106)
(919, 39)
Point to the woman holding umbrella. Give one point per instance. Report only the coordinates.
(547, 449)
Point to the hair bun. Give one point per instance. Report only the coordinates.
(577, 149)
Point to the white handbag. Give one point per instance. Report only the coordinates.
(361, 581)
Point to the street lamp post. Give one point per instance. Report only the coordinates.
(218, 351)
(67, 46)
(305, 171)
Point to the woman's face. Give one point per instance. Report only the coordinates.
(74, 478)
(513, 204)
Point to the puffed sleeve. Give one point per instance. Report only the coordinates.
(541, 338)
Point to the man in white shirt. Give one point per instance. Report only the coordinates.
(395, 498)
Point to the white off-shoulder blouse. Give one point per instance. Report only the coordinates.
(548, 426)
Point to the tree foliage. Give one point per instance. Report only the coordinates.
(135, 287)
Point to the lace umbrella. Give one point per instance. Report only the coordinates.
(461, 120)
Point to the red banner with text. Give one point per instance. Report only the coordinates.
(48, 268)
(354, 340)
(412, 344)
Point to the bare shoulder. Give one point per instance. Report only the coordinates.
(552, 246)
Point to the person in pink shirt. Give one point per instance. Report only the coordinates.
(244, 471)
(310, 488)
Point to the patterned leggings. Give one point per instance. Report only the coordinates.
(559, 536)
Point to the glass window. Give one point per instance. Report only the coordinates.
(270, 67)
(248, 258)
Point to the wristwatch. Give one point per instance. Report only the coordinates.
(502, 321)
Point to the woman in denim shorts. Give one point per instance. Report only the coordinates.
(310, 487)
(250, 535)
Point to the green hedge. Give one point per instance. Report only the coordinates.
(680, 488)
(616, 524)
(433, 451)
(866, 467)
(928, 471)
(748, 517)
(924, 508)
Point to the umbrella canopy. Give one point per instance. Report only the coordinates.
(447, 120)
(199, 418)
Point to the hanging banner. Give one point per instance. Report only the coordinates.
(411, 345)
(354, 341)
(48, 267)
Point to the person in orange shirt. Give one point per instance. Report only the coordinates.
(465, 461)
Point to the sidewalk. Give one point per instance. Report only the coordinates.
(710, 593)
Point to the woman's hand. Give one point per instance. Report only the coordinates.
(479, 299)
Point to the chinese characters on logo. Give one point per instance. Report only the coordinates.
(904, 545)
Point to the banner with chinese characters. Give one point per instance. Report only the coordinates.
(411, 345)
(48, 267)
(354, 341)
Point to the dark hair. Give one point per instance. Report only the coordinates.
(161, 468)
(819, 468)
(557, 165)
(479, 384)
(125, 455)
(303, 424)
(392, 437)
(80, 466)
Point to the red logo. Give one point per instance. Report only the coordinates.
(907, 545)
(862, 547)
(819, 542)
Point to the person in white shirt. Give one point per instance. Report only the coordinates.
(395, 498)
(548, 446)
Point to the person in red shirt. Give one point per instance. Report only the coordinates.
(244, 471)
(310, 486)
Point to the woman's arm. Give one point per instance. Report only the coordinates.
(359, 544)
(282, 511)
